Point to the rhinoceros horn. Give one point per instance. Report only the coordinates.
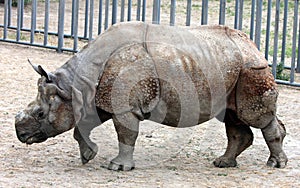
(39, 69)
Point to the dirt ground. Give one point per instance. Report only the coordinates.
(165, 157)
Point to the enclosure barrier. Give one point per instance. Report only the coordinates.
(272, 24)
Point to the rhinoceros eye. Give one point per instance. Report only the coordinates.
(40, 114)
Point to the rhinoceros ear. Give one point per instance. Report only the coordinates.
(39, 69)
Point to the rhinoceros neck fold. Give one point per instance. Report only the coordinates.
(80, 75)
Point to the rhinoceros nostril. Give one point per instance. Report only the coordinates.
(22, 137)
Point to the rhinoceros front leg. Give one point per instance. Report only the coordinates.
(239, 138)
(127, 127)
(88, 149)
(274, 134)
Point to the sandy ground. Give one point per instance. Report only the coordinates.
(165, 157)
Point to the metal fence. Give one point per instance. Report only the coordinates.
(63, 25)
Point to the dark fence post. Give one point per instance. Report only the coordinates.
(222, 12)
(100, 17)
(298, 58)
(33, 20)
(284, 29)
(129, 10)
(61, 19)
(295, 26)
(91, 20)
(188, 12)
(204, 14)
(114, 11)
(258, 22)
(46, 21)
(5, 19)
(156, 12)
(106, 14)
(19, 20)
(172, 12)
(274, 64)
(138, 10)
(253, 4)
(75, 24)
(269, 13)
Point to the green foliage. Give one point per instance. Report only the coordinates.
(280, 74)
(14, 3)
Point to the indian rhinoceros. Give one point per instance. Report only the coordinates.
(178, 77)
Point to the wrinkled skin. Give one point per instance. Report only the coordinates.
(47, 116)
(179, 79)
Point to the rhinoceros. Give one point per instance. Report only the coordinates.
(175, 76)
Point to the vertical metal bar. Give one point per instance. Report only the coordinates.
(295, 25)
(138, 10)
(122, 10)
(258, 23)
(86, 18)
(284, 30)
(188, 12)
(22, 14)
(75, 24)
(156, 12)
(72, 16)
(114, 11)
(9, 12)
(252, 19)
(61, 19)
(172, 12)
(33, 20)
(241, 8)
(19, 12)
(222, 12)
(237, 14)
(269, 13)
(106, 14)
(46, 21)
(91, 20)
(129, 10)
(144, 10)
(298, 58)
(100, 17)
(5, 19)
(274, 65)
(204, 15)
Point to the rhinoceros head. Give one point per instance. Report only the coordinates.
(48, 115)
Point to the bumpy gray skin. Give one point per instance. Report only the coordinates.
(178, 77)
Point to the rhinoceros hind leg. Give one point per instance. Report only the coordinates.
(88, 149)
(127, 127)
(239, 138)
(274, 134)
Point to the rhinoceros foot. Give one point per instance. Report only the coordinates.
(223, 162)
(279, 161)
(119, 163)
(88, 153)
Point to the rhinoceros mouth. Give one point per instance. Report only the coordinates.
(36, 138)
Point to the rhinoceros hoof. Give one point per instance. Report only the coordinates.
(223, 162)
(278, 162)
(119, 165)
(88, 154)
